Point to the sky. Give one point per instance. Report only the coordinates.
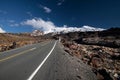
(27, 15)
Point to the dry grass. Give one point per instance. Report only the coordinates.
(7, 39)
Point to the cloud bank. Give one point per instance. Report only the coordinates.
(46, 26)
(49, 26)
(2, 31)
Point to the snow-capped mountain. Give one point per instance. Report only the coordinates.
(89, 28)
(50, 27)
(73, 29)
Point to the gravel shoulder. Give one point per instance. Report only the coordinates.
(72, 68)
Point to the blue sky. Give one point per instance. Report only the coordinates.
(14, 14)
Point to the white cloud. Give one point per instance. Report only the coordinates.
(46, 26)
(60, 2)
(49, 26)
(2, 31)
(47, 10)
(14, 24)
(11, 21)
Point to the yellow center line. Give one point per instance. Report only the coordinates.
(12, 56)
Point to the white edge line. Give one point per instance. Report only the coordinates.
(37, 69)
(33, 48)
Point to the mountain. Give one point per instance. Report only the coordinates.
(89, 28)
(37, 33)
(74, 29)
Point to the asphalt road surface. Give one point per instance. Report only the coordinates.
(42, 61)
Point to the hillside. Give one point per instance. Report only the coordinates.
(98, 49)
(9, 40)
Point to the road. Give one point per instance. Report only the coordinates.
(42, 61)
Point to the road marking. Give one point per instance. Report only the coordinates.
(32, 49)
(12, 56)
(40, 65)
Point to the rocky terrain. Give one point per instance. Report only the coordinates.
(99, 50)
